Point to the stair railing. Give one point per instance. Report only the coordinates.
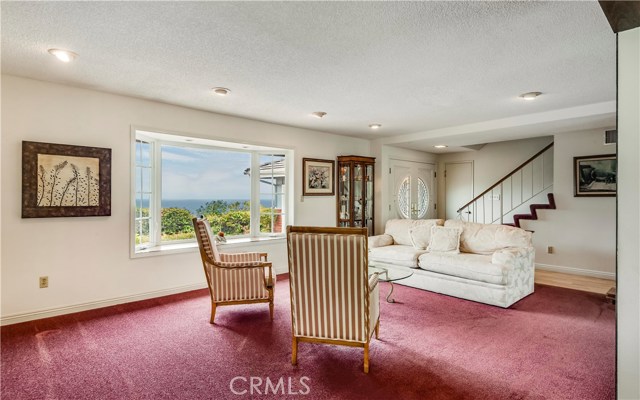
(476, 210)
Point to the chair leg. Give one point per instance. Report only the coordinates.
(213, 313)
(377, 329)
(366, 358)
(271, 309)
(294, 351)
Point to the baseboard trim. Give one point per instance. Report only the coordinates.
(52, 312)
(577, 271)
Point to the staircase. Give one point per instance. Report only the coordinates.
(533, 215)
(523, 189)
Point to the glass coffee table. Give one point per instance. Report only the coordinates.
(389, 275)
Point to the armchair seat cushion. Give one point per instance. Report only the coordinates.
(406, 256)
(476, 267)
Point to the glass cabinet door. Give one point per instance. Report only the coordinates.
(344, 186)
(355, 192)
(368, 198)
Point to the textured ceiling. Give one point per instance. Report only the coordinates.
(421, 69)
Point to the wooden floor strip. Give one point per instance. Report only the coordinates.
(577, 282)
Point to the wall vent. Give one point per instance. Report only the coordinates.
(611, 137)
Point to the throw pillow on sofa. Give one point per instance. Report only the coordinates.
(444, 240)
(420, 236)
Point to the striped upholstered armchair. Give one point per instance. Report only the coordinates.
(333, 300)
(233, 278)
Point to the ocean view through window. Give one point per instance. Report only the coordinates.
(240, 189)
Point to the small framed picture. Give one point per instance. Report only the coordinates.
(317, 177)
(595, 176)
(61, 180)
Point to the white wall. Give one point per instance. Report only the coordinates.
(87, 259)
(581, 229)
(628, 294)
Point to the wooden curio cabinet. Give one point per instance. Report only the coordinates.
(355, 192)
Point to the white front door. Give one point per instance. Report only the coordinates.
(413, 194)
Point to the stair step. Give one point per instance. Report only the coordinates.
(534, 208)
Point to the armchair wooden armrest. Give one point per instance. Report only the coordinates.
(242, 257)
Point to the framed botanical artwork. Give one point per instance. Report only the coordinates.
(60, 180)
(595, 176)
(318, 177)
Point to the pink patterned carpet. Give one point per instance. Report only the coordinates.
(554, 344)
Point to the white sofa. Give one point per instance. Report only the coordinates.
(494, 265)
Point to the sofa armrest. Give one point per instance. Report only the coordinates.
(513, 255)
(380, 240)
(520, 265)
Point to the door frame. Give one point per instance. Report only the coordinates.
(444, 183)
(391, 181)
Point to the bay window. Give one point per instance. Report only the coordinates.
(240, 189)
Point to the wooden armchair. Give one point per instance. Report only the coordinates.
(333, 300)
(233, 278)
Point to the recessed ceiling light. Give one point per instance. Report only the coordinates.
(63, 55)
(318, 114)
(530, 95)
(220, 91)
(188, 140)
(375, 126)
(441, 146)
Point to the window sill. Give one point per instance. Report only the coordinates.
(193, 246)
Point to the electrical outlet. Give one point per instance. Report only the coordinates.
(44, 282)
(550, 249)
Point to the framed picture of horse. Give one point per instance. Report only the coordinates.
(595, 176)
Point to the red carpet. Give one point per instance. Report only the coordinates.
(554, 344)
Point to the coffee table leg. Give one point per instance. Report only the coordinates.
(389, 299)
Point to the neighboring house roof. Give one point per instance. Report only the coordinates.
(271, 169)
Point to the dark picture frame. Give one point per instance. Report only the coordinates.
(318, 177)
(61, 180)
(595, 176)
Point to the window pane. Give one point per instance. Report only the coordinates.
(211, 182)
(138, 208)
(271, 221)
(138, 187)
(143, 153)
(272, 188)
(142, 231)
(146, 180)
(142, 203)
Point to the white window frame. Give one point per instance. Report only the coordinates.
(159, 138)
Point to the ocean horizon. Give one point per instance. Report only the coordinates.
(193, 204)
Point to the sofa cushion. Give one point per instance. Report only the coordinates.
(380, 240)
(406, 256)
(476, 267)
(488, 238)
(399, 228)
(444, 240)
